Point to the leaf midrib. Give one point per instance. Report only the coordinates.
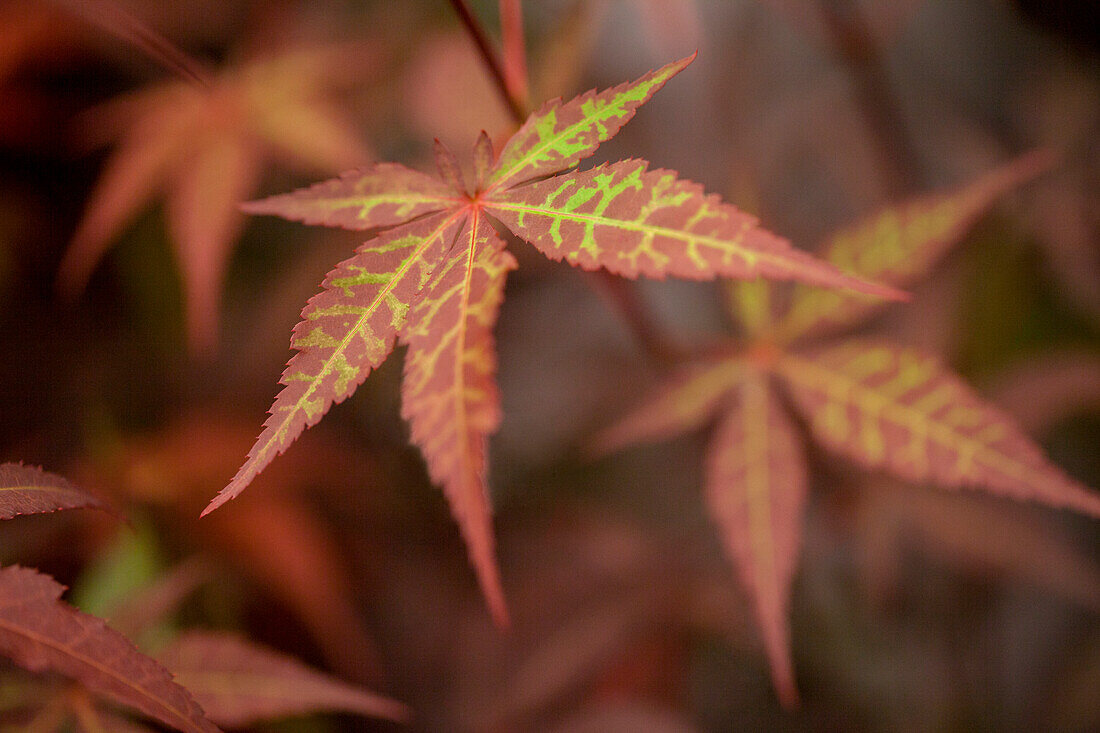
(733, 246)
(339, 349)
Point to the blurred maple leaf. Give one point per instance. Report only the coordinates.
(206, 149)
(883, 406)
(277, 540)
(1060, 108)
(435, 279)
(1040, 392)
(238, 682)
(968, 533)
(41, 633)
(30, 490)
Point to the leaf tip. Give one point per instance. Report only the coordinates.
(257, 206)
(216, 502)
(229, 492)
(672, 69)
(447, 165)
(677, 66)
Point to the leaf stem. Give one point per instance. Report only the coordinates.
(623, 294)
(490, 59)
(855, 45)
(514, 50)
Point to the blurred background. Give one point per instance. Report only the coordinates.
(146, 324)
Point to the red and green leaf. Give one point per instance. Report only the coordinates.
(633, 221)
(346, 330)
(756, 488)
(380, 196)
(558, 136)
(30, 490)
(900, 245)
(450, 396)
(239, 683)
(40, 633)
(894, 408)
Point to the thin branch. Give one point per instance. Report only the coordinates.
(857, 48)
(623, 295)
(515, 51)
(490, 59)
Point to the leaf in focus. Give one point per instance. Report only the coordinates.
(40, 633)
(346, 330)
(382, 195)
(895, 408)
(633, 221)
(439, 292)
(901, 245)
(756, 489)
(449, 392)
(30, 490)
(239, 683)
(558, 136)
(206, 148)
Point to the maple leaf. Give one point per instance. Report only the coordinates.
(900, 245)
(756, 481)
(967, 532)
(883, 406)
(40, 633)
(436, 277)
(277, 541)
(206, 148)
(239, 683)
(30, 490)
